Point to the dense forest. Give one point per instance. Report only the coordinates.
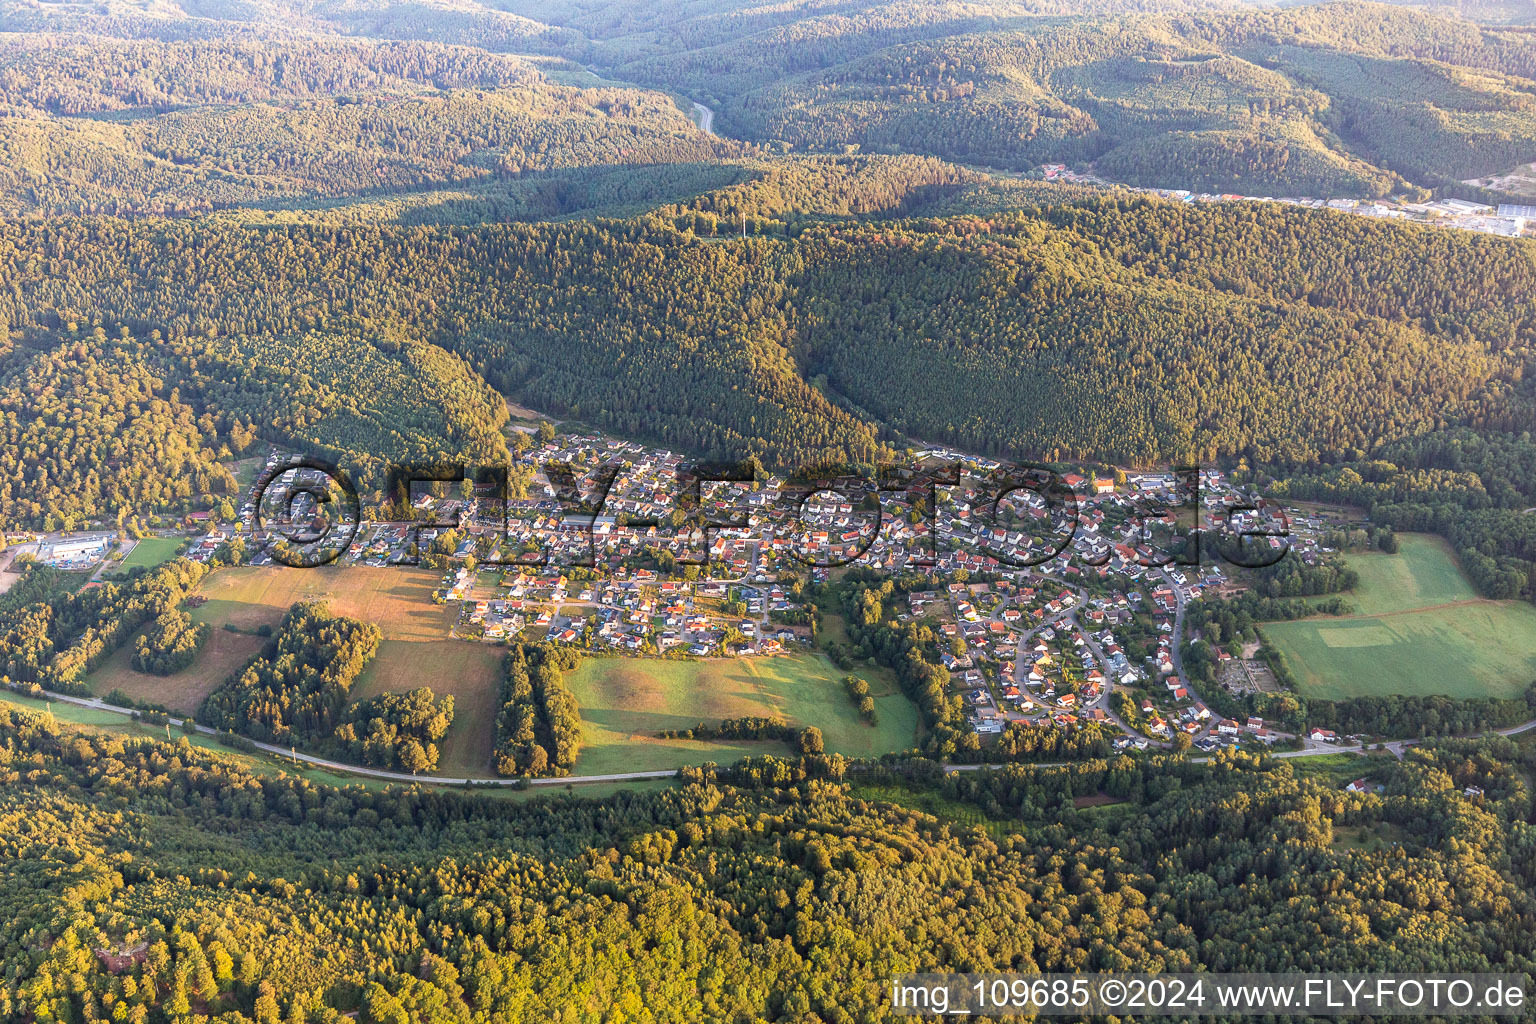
(176, 127)
(295, 690)
(1129, 330)
(133, 424)
(170, 643)
(284, 104)
(1335, 99)
(271, 899)
(538, 726)
(396, 730)
(783, 296)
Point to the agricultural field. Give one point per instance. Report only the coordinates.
(183, 691)
(1419, 629)
(626, 701)
(398, 600)
(1422, 574)
(152, 551)
(470, 671)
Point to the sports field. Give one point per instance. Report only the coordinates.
(1420, 629)
(470, 671)
(152, 551)
(626, 701)
(398, 600)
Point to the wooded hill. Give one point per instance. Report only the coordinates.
(92, 125)
(1132, 331)
(274, 899)
(281, 103)
(1329, 99)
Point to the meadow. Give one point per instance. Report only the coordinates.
(398, 600)
(470, 671)
(1422, 574)
(223, 654)
(625, 702)
(1418, 629)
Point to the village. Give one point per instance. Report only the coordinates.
(1508, 220)
(1055, 613)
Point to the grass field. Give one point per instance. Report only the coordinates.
(221, 656)
(1419, 629)
(152, 551)
(1422, 574)
(470, 671)
(626, 701)
(398, 600)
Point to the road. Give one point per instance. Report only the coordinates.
(96, 703)
(706, 118)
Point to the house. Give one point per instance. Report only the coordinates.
(1323, 736)
(1358, 786)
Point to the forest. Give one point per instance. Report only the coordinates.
(1127, 330)
(170, 643)
(1351, 99)
(415, 227)
(271, 899)
(538, 727)
(295, 690)
(284, 105)
(139, 127)
(360, 230)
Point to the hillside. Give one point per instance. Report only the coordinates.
(1307, 100)
(201, 125)
(1134, 330)
(157, 877)
(226, 104)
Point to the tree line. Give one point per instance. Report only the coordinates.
(538, 727)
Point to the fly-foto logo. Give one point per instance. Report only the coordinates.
(918, 515)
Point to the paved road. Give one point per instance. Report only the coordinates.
(706, 118)
(98, 704)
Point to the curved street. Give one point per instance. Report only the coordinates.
(96, 703)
